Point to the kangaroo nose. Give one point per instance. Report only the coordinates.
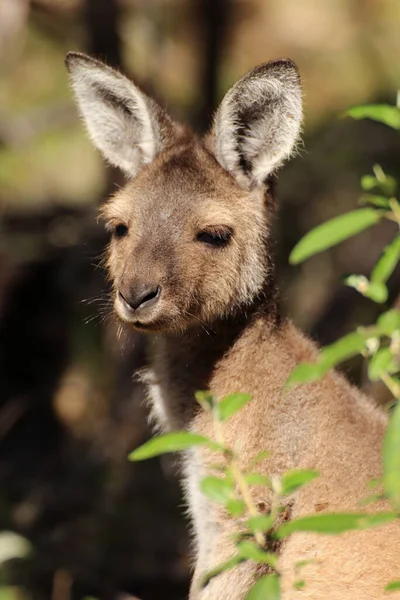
(142, 296)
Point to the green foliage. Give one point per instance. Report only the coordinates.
(293, 480)
(334, 231)
(335, 523)
(231, 404)
(392, 586)
(217, 489)
(391, 460)
(169, 442)
(266, 588)
(13, 545)
(389, 115)
(387, 262)
(376, 291)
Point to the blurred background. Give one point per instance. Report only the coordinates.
(91, 523)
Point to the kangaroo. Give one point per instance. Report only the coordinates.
(191, 264)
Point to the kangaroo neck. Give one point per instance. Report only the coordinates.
(185, 364)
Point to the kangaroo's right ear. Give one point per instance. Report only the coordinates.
(126, 126)
(258, 122)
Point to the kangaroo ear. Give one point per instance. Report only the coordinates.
(125, 125)
(258, 122)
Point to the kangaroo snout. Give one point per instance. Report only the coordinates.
(139, 299)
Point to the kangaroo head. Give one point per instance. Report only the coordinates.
(189, 231)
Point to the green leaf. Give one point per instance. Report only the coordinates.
(260, 523)
(13, 545)
(293, 480)
(299, 584)
(257, 479)
(377, 291)
(391, 459)
(383, 113)
(387, 262)
(389, 321)
(334, 231)
(231, 404)
(10, 593)
(267, 588)
(235, 507)
(251, 551)
(387, 184)
(392, 586)
(305, 372)
(369, 182)
(205, 399)
(346, 347)
(379, 363)
(168, 442)
(335, 523)
(378, 201)
(217, 489)
(226, 566)
(259, 457)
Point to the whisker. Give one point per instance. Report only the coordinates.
(204, 325)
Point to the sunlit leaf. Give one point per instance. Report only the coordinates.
(306, 372)
(235, 507)
(299, 584)
(388, 185)
(231, 404)
(10, 593)
(168, 442)
(267, 588)
(333, 232)
(375, 290)
(384, 113)
(391, 459)
(387, 262)
(260, 523)
(226, 566)
(379, 363)
(346, 347)
(249, 550)
(217, 489)
(13, 545)
(257, 479)
(293, 480)
(205, 399)
(259, 457)
(389, 321)
(335, 522)
(392, 586)
(378, 201)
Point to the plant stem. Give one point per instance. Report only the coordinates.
(240, 480)
(395, 210)
(392, 385)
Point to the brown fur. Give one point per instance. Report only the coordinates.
(216, 326)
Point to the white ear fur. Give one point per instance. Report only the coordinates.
(123, 123)
(258, 122)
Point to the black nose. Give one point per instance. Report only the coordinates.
(142, 296)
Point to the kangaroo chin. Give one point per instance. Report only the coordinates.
(190, 260)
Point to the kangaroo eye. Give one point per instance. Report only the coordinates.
(218, 237)
(119, 230)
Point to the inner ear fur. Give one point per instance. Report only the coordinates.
(259, 121)
(128, 127)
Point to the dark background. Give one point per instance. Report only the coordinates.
(70, 411)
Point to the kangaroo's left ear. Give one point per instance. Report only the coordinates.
(258, 122)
